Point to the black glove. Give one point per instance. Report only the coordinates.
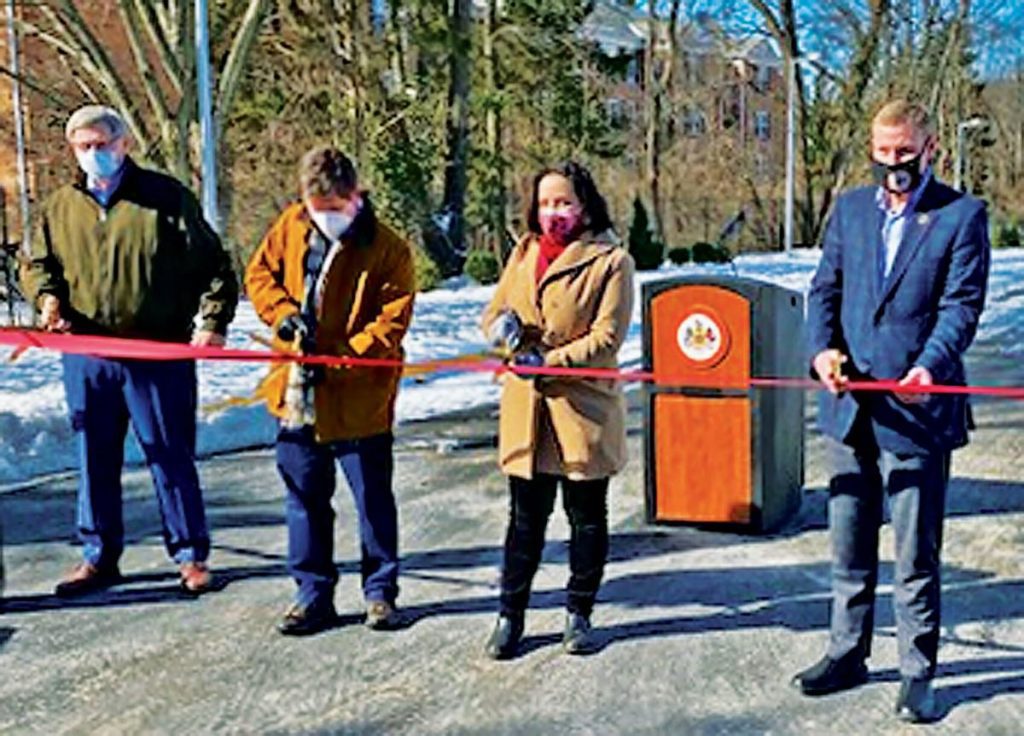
(291, 327)
(529, 359)
(314, 374)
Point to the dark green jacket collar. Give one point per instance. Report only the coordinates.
(129, 182)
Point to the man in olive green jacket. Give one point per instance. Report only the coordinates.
(125, 251)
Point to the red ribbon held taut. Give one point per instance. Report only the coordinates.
(133, 349)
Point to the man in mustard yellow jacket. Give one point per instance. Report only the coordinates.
(331, 279)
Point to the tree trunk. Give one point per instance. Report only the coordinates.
(397, 38)
(455, 174)
(852, 94)
(493, 130)
(652, 123)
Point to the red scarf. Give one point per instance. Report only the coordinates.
(550, 249)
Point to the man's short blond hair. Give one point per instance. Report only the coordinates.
(904, 112)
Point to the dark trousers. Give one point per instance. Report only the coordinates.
(159, 399)
(916, 488)
(530, 505)
(307, 468)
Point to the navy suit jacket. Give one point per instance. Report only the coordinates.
(925, 313)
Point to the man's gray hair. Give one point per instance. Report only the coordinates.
(92, 116)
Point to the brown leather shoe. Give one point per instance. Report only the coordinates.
(306, 620)
(382, 616)
(195, 577)
(86, 578)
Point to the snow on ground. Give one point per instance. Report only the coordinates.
(35, 437)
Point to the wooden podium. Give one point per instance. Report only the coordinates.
(717, 451)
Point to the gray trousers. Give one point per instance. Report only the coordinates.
(916, 487)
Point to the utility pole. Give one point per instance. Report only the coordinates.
(207, 134)
(7, 256)
(19, 122)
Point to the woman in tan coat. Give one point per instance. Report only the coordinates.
(565, 300)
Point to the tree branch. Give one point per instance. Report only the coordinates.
(96, 62)
(234, 64)
(155, 30)
(149, 81)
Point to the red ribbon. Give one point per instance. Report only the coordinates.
(132, 349)
(1005, 392)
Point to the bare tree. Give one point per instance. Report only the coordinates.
(156, 94)
(659, 65)
(493, 125)
(457, 159)
(862, 29)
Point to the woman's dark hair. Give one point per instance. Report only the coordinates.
(595, 209)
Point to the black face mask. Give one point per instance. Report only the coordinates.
(899, 178)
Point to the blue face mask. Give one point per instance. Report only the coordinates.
(99, 163)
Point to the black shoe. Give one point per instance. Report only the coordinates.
(307, 620)
(87, 578)
(916, 701)
(578, 637)
(504, 641)
(832, 675)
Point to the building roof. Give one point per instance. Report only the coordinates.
(619, 29)
(755, 49)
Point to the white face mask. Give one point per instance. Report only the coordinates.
(332, 223)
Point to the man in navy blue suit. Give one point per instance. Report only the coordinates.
(897, 296)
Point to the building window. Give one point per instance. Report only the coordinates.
(762, 166)
(694, 124)
(763, 78)
(694, 69)
(762, 125)
(634, 72)
(615, 109)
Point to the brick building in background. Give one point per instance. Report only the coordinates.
(728, 85)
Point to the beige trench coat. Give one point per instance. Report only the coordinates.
(578, 315)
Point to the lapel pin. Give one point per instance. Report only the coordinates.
(922, 219)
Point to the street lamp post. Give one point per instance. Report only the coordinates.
(961, 148)
(792, 67)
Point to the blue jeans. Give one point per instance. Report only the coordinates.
(308, 470)
(159, 400)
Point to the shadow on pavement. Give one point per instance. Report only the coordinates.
(421, 564)
(966, 497)
(795, 597)
(978, 692)
(30, 520)
(1009, 680)
(112, 597)
(6, 632)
